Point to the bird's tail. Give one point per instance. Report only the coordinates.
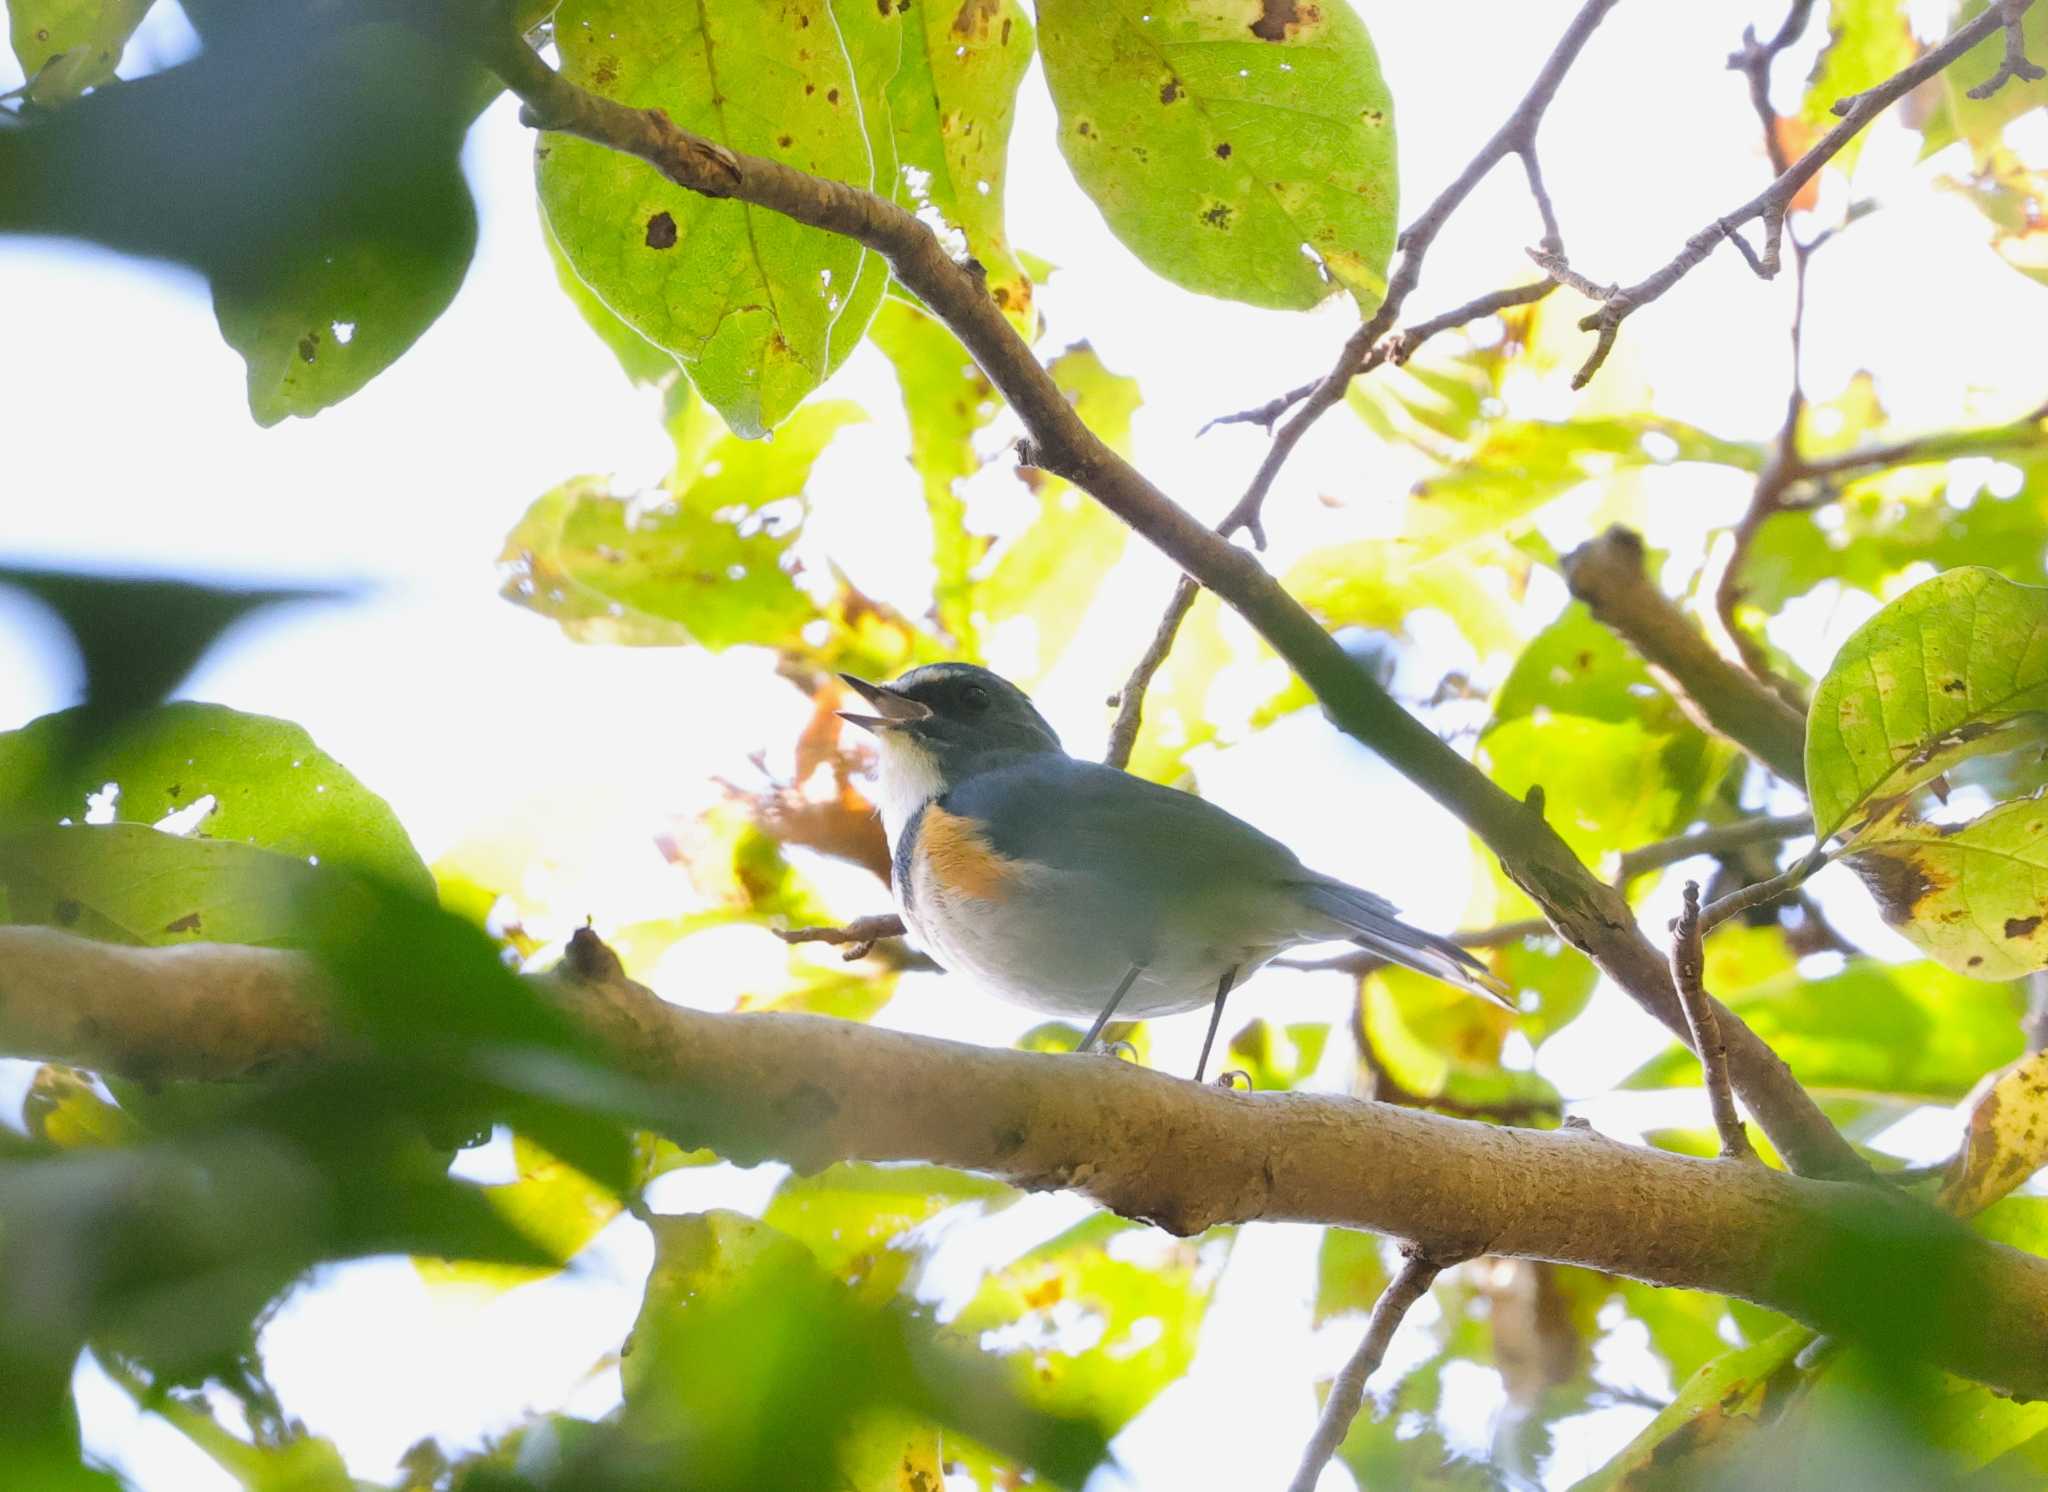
(1372, 924)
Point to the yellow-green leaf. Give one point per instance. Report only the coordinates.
(1974, 896)
(953, 102)
(948, 400)
(68, 46)
(848, 1213)
(748, 299)
(2007, 1140)
(1240, 150)
(1956, 667)
(66, 1109)
(1048, 574)
(704, 564)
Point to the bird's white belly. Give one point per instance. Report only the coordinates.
(1050, 959)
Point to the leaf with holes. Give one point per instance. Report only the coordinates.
(126, 883)
(270, 786)
(68, 46)
(749, 300)
(953, 102)
(1974, 896)
(2007, 1140)
(1242, 150)
(1955, 668)
(707, 565)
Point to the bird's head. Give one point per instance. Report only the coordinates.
(946, 721)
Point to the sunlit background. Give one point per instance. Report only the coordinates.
(128, 447)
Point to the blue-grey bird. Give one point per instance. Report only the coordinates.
(1077, 889)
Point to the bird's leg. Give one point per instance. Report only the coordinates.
(1110, 1009)
(1215, 1019)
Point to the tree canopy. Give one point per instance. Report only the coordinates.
(1746, 732)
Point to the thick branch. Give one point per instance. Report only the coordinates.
(1607, 574)
(1347, 1389)
(812, 1090)
(1586, 913)
(1768, 206)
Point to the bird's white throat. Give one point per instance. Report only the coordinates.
(908, 780)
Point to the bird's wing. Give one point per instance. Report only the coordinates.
(1084, 818)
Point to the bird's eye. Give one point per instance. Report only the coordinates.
(974, 697)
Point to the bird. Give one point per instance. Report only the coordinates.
(1077, 889)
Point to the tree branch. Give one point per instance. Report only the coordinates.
(1588, 914)
(1347, 1389)
(857, 938)
(2014, 64)
(1363, 349)
(812, 1090)
(1688, 966)
(1762, 893)
(1711, 841)
(1768, 206)
(1607, 574)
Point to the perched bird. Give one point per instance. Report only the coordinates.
(1075, 888)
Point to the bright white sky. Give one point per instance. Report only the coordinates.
(129, 447)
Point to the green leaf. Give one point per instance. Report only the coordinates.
(1350, 1273)
(125, 883)
(1370, 583)
(1143, 1316)
(552, 1204)
(272, 787)
(948, 401)
(1971, 895)
(1277, 1058)
(1982, 122)
(1518, 466)
(639, 359)
(1442, 1045)
(1716, 1411)
(1245, 151)
(1608, 785)
(704, 564)
(1050, 573)
(1950, 670)
(311, 172)
(953, 103)
(1576, 666)
(1907, 1031)
(1868, 41)
(68, 46)
(64, 1108)
(848, 1214)
(746, 298)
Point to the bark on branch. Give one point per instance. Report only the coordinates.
(1589, 915)
(813, 1090)
(1607, 574)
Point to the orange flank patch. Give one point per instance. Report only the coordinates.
(960, 860)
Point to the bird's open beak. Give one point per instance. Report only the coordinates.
(892, 710)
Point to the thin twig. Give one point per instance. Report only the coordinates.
(2014, 64)
(1785, 466)
(858, 937)
(1347, 1391)
(1688, 966)
(1364, 349)
(1130, 701)
(1762, 893)
(1769, 206)
(1711, 841)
